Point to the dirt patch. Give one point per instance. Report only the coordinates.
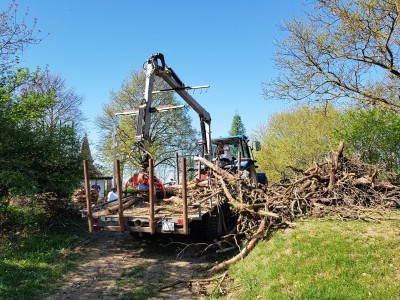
(119, 266)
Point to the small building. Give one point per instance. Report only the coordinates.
(98, 181)
(102, 183)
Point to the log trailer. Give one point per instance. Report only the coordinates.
(209, 216)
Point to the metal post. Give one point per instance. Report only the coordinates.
(199, 171)
(115, 152)
(151, 196)
(87, 193)
(239, 160)
(177, 167)
(184, 198)
(121, 218)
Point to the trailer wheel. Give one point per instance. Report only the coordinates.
(211, 228)
(218, 222)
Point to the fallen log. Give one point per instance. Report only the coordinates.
(217, 169)
(335, 163)
(197, 183)
(126, 205)
(242, 254)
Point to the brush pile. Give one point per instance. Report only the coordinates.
(332, 186)
(339, 187)
(79, 197)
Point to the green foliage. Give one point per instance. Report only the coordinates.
(372, 134)
(34, 158)
(58, 158)
(296, 138)
(31, 261)
(86, 154)
(15, 154)
(19, 104)
(38, 161)
(237, 126)
(323, 259)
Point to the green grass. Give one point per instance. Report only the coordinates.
(323, 259)
(32, 259)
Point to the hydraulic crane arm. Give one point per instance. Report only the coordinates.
(155, 66)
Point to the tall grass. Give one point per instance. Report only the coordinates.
(324, 259)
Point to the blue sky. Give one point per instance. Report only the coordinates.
(95, 44)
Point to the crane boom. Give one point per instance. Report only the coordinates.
(155, 66)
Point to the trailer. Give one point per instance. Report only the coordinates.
(210, 215)
(141, 213)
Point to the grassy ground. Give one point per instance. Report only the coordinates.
(32, 257)
(323, 259)
(320, 259)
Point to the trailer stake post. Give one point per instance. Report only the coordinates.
(184, 198)
(199, 171)
(151, 196)
(121, 219)
(87, 193)
(177, 167)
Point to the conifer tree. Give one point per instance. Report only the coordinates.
(86, 154)
(237, 126)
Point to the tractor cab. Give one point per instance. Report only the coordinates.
(226, 152)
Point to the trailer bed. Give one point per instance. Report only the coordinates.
(168, 215)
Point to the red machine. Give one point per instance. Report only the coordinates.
(142, 179)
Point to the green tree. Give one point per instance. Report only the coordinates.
(346, 49)
(20, 104)
(57, 166)
(34, 158)
(170, 131)
(373, 135)
(237, 126)
(86, 154)
(296, 138)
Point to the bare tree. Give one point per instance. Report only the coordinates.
(66, 103)
(346, 49)
(15, 35)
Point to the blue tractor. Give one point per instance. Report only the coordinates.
(227, 151)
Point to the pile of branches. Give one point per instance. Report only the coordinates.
(79, 197)
(58, 213)
(339, 186)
